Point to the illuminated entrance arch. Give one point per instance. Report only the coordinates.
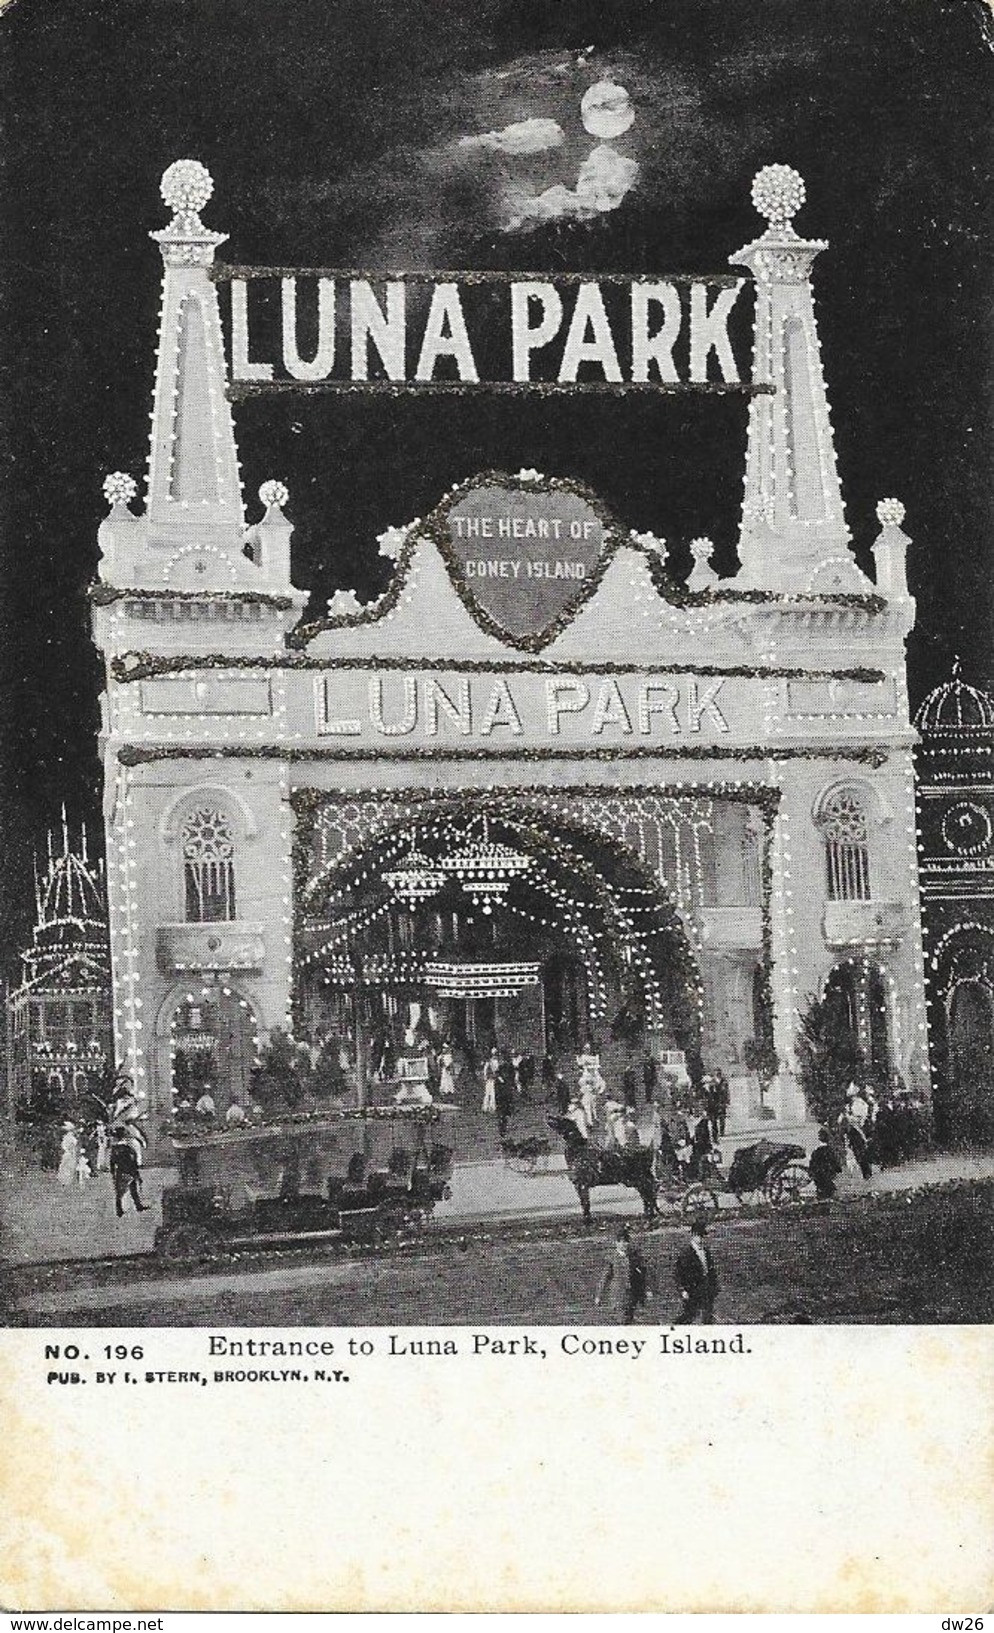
(581, 940)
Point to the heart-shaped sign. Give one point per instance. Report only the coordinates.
(525, 556)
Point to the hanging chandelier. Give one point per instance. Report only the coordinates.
(416, 878)
(486, 868)
(479, 980)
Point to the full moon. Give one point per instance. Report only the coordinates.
(606, 109)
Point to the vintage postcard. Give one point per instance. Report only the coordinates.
(498, 800)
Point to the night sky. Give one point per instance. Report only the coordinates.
(333, 133)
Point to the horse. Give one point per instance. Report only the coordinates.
(588, 1165)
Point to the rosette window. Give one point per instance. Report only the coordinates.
(208, 866)
(847, 852)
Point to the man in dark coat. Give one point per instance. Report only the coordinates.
(696, 1277)
(712, 1106)
(625, 1281)
(629, 1087)
(703, 1144)
(722, 1097)
(824, 1166)
(649, 1079)
(562, 1092)
(125, 1172)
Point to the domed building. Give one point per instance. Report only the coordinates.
(955, 762)
(59, 1017)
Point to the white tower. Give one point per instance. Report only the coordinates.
(793, 534)
(192, 536)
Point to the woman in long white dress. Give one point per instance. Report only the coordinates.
(490, 1081)
(70, 1154)
(447, 1074)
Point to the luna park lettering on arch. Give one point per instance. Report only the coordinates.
(426, 331)
(481, 707)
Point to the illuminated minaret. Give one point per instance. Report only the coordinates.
(192, 536)
(793, 534)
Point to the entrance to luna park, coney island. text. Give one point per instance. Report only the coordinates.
(536, 708)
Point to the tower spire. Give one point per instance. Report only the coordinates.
(793, 519)
(194, 491)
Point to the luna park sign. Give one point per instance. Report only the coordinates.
(298, 329)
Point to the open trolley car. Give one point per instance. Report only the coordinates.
(329, 1176)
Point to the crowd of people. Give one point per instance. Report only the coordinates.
(873, 1130)
(680, 1124)
(646, 1106)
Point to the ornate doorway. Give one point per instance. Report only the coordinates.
(212, 1047)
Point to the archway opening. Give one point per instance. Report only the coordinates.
(968, 1107)
(213, 1046)
(856, 996)
(963, 1036)
(520, 930)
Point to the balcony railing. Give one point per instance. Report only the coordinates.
(864, 923)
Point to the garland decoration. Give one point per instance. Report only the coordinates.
(140, 754)
(141, 665)
(103, 595)
(398, 544)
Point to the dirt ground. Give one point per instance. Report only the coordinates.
(904, 1257)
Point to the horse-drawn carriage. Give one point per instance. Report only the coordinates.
(330, 1176)
(767, 1171)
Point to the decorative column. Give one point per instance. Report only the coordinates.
(890, 551)
(792, 513)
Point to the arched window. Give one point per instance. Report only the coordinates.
(208, 866)
(847, 855)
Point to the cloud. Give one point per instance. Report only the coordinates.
(524, 137)
(605, 178)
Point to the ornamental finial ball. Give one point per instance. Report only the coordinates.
(186, 186)
(119, 488)
(890, 513)
(778, 193)
(275, 493)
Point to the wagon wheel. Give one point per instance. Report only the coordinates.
(786, 1189)
(699, 1199)
(185, 1241)
(522, 1162)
